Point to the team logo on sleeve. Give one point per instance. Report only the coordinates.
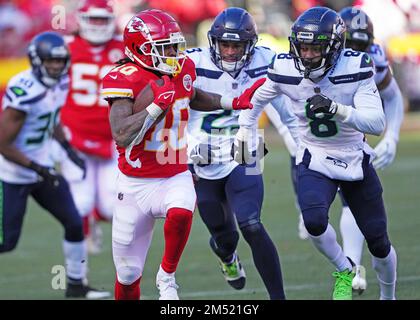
(187, 81)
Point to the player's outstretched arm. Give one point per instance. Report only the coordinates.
(206, 101)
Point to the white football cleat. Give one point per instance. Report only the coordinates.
(167, 286)
(359, 283)
(303, 233)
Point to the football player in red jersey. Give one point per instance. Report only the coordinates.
(94, 50)
(154, 180)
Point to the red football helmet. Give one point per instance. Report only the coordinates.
(96, 20)
(147, 35)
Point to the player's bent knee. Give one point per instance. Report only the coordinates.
(379, 246)
(128, 274)
(315, 220)
(252, 229)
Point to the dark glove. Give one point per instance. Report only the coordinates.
(74, 157)
(202, 154)
(320, 103)
(49, 175)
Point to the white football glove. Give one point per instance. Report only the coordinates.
(385, 153)
(239, 151)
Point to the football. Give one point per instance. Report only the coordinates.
(145, 98)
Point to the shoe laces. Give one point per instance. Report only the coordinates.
(343, 282)
(166, 283)
(231, 269)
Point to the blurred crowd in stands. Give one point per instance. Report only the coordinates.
(396, 24)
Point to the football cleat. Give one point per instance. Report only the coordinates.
(302, 232)
(168, 289)
(343, 283)
(234, 273)
(85, 292)
(359, 283)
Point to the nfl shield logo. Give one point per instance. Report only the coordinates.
(120, 196)
(234, 86)
(187, 82)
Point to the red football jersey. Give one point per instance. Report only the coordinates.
(163, 151)
(85, 114)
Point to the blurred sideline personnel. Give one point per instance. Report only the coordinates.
(335, 98)
(360, 37)
(154, 181)
(29, 119)
(227, 195)
(94, 50)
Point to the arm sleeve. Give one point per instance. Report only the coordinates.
(282, 117)
(264, 94)
(366, 115)
(394, 109)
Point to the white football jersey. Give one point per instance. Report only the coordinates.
(41, 105)
(381, 62)
(350, 83)
(219, 127)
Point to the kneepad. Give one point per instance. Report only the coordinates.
(316, 220)
(128, 274)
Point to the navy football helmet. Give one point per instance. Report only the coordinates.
(46, 46)
(359, 29)
(317, 26)
(237, 25)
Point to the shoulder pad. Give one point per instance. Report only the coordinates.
(352, 66)
(23, 90)
(195, 54)
(282, 70)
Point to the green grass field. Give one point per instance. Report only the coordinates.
(26, 272)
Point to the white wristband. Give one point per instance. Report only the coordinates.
(243, 134)
(154, 110)
(343, 112)
(226, 103)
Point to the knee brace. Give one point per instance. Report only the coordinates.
(224, 245)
